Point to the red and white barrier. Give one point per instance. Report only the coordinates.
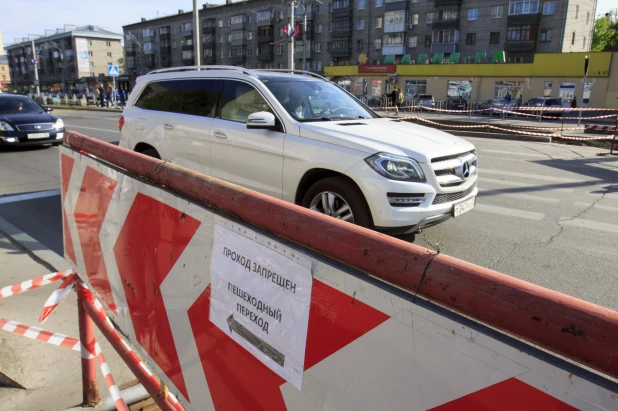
(269, 306)
(32, 284)
(57, 297)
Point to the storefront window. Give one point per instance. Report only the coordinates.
(513, 88)
(566, 92)
(415, 87)
(547, 89)
(344, 84)
(359, 87)
(376, 88)
(587, 91)
(459, 89)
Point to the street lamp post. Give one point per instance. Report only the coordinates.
(62, 67)
(36, 70)
(579, 119)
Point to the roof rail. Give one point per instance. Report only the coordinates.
(305, 72)
(197, 68)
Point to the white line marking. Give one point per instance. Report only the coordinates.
(522, 197)
(532, 176)
(518, 184)
(515, 153)
(600, 192)
(598, 206)
(92, 128)
(510, 212)
(591, 225)
(28, 196)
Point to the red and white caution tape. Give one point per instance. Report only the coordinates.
(34, 283)
(109, 380)
(528, 108)
(585, 138)
(445, 125)
(40, 334)
(134, 358)
(527, 133)
(57, 297)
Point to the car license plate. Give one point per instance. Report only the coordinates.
(38, 135)
(459, 209)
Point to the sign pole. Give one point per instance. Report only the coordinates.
(579, 119)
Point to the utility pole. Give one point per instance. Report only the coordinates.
(291, 38)
(196, 35)
(579, 119)
(36, 70)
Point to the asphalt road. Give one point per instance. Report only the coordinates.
(546, 213)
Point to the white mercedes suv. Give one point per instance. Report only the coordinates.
(296, 136)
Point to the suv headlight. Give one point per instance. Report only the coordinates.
(396, 167)
(6, 126)
(59, 124)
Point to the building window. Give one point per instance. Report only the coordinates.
(573, 39)
(549, 7)
(547, 89)
(576, 12)
(360, 24)
(220, 23)
(584, 43)
(414, 88)
(429, 18)
(545, 35)
(517, 33)
(379, 3)
(109, 54)
(378, 24)
(587, 18)
(427, 41)
(318, 9)
(377, 44)
(394, 17)
(174, 44)
(447, 15)
(445, 36)
(414, 19)
(90, 53)
(220, 39)
(341, 4)
(361, 4)
(317, 66)
(90, 42)
(360, 45)
(523, 6)
(279, 50)
(494, 37)
(249, 35)
(318, 47)
(471, 38)
(91, 64)
(164, 30)
(473, 14)
(496, 12)
(236, 19)
(393, 39)
(412, 41)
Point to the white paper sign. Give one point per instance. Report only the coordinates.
(260, 298)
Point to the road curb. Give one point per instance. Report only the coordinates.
(495, 136)
(33, 248)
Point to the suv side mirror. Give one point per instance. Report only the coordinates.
(48, 109)
(261, 120)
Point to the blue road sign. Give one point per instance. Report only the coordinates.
(112, 71)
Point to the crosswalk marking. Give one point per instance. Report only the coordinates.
(589, 224)
(509, 183)
(532, 176)
(510, 212)
(597, 206)
(526, 197)
(517, 153)
(602, 192)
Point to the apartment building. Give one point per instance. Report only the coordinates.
(73, 55)
(349, 32)
(5, 74)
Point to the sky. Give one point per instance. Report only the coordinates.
(22, 17)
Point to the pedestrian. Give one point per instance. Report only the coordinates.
(399, 100)
(574, 102)
(122, 96)
(109, 95)
(97, 96)
(393, 97)
(101, 95)
(508, 98)
(520, 100)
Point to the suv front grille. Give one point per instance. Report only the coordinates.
(31, 127)
(456, 169)
(438, 159)
(450, 197)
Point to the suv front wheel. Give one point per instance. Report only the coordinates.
(339, 198)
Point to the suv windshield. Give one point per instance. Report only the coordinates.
(308, 100)
(19, 105)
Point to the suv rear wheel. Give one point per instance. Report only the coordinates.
(151, 152)
(339, 198)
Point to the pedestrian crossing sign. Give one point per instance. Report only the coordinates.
(112, 71)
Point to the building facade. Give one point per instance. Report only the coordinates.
(346, 32)
(73, 55)
(5, 74)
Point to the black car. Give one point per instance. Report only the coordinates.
(25, 122)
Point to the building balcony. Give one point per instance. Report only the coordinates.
(342, 12)
(520, 45)
(208, 59)
(299, 54)
(266, 39)
(393, 50)
(149, 38)
(164, 36)
(445, 48)
(341, 51)
(446, 24)
(238, 59)
(395, 28)
(239, 42)
(265, 22)
(440, 3)
(265, 56)
(150, 49)
(187, 33)
(522, 19)
(209, 30)
(238, 26)
(187, 45)
(396, 5)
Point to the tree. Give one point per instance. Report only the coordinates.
(605, 37)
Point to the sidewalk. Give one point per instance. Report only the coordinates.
(52, 374)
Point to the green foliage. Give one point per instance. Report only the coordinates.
(605, 37)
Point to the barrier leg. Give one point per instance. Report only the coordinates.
(89, 365)
(611, 150)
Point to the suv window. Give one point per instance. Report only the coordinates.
(425, 97)
(238, 100)
(196, 97)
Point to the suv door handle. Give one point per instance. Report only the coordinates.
(219, 134)
(168, 126)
